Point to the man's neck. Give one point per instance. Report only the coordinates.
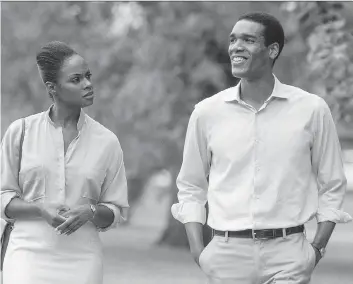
(258, 90)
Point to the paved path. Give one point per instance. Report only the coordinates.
(131, 257)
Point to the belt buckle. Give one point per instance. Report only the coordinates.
(260, 235)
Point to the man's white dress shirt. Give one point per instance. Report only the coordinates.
(276, 167)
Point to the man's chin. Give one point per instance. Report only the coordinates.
(239, 73)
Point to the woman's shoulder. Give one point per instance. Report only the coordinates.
(17, 125)
(101, 130)
(34, 117)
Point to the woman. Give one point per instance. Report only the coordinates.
(70, 185)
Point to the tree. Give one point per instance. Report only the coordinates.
(323, 25)
(151, 63)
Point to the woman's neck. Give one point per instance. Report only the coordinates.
(65, 116)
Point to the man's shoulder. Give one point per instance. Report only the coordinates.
(215, 101)
(297, 94)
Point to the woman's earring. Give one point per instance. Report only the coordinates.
(52, 94)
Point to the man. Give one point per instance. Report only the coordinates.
(266, 158)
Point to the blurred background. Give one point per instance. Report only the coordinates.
(151, 63)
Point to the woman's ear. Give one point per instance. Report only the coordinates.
(51, 88)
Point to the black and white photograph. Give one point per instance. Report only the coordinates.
(176, 142)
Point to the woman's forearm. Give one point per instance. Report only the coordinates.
(103, 217)
(20, 209)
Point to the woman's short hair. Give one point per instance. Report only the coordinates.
(50, 59)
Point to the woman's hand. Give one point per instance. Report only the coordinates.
(52, 213)
(75, 218)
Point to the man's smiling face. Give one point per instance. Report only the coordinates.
(247, 50)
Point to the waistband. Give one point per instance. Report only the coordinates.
(260, 234)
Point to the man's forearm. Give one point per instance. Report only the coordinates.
(195, 237)
(323, 233)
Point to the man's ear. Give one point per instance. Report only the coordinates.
(273, 50)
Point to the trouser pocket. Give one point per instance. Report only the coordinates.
(205, 257)
(311, 256)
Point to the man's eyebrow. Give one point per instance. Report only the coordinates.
(243, 35)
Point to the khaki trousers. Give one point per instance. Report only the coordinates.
(285, 260)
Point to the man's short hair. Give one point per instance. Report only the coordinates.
(273, 31)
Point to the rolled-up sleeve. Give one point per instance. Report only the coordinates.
(10, 166)
(328, 166)
(114, 190)
(192, 180)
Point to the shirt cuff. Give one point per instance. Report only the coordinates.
(333, 215)
(6, 198)
(189, 212)
(120, 216)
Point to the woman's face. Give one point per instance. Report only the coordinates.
(74, 87)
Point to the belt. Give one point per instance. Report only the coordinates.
(260, 234)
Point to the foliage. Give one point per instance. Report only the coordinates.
(329, 38)
(153, 61)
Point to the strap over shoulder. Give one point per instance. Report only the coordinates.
(21, 143)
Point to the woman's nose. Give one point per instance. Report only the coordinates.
(88, 83)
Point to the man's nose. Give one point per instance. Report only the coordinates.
(236, 47)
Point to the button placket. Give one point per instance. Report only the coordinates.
(256, 144)
(256, 192)
(61, 166)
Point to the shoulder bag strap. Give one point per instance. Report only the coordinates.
(20, 149)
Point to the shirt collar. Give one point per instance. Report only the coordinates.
(278, 91)
(80, 123)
